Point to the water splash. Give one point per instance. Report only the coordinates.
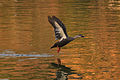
(14, 54)
(27, 55)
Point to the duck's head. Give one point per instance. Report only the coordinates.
(80, 35)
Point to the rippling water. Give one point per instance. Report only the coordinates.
(26, 37)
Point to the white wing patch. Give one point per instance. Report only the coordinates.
(60, 30)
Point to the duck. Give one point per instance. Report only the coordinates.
(60, 33)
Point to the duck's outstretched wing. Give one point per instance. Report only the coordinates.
(59, 27)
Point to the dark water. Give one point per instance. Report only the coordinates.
(26, 38)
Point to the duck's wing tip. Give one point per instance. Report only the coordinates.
(59, 28)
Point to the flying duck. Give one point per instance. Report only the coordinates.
(60, 33)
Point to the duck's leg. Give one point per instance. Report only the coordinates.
(58, 49)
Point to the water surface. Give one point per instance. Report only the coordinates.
(26, 37)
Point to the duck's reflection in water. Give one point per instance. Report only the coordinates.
(62, 71)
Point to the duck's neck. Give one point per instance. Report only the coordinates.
(76, 36)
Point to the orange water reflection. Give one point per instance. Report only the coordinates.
(24, 28)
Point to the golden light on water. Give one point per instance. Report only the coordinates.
(24, 29)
